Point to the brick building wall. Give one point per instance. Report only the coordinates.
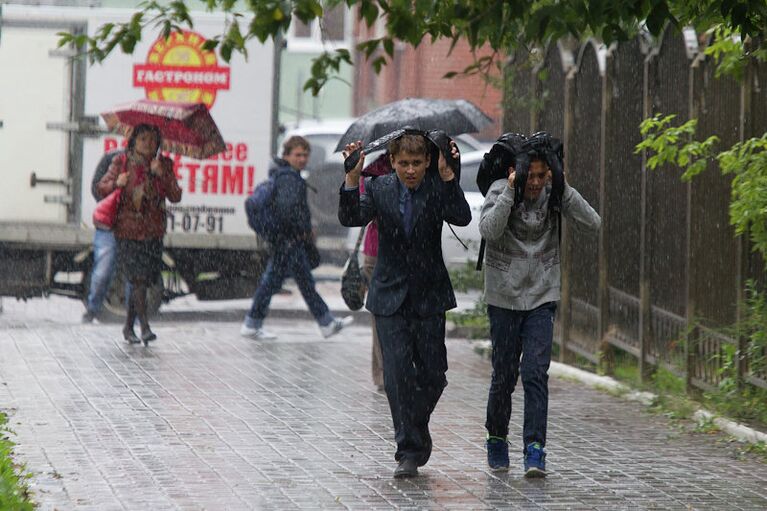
(418, 72)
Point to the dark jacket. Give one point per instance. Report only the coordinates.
(290, 203)
(408, 265)
(101, 170)
(147, 219)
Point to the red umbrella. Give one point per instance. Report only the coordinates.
(187, 128)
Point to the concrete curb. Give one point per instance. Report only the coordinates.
(606, 383)
(735, 429)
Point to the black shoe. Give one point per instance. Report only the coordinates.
(130, 336)
(406, 468)
(147, 335)
(88, 317)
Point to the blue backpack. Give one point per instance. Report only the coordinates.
(259, 207)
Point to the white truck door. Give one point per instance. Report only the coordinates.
(35, 92)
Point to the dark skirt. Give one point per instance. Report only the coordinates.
(140, 259)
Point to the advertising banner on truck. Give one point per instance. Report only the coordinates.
(238, 95)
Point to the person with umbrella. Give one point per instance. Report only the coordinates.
(410, 289)
(147, 179)
(521, 222)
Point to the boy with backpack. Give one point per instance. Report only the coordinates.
(279, 212)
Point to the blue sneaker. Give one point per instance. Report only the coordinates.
(497, 453)
(535, 460)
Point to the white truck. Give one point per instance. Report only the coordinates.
(52, 138)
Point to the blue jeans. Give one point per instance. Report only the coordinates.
(288, 260)
(104, 264)
(525, 334)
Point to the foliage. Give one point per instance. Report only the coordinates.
(500, 25)
(663, 142)
(13, 491)
(752, 328)
(747, 162)
(730, 52)
(743, 402)
(672, 395)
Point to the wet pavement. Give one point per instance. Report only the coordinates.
(205, 419)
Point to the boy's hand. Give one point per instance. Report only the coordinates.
(353, 176)
(511, 177)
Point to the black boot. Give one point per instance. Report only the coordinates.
(147, 335)
(130, 335)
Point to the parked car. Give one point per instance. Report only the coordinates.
(453, 250)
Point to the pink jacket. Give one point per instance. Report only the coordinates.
(381, 166)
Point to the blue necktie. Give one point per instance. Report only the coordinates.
(407, 216)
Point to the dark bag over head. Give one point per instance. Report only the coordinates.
(259, 207)
(353, 283)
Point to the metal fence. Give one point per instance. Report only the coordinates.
(664, 279)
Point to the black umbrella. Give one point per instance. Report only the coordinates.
(454, 116)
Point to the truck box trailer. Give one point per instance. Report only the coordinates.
(52, 138)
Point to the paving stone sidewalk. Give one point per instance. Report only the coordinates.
(205, 419)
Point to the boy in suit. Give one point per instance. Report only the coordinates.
(410, 289)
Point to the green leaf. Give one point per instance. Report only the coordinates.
(388, 45)
(210, 44)
(226, 50)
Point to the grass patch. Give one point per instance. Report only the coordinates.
(748, 404)
(758, 449)
(466, 277)
(14, 493)
(626, 371)
(473, 322)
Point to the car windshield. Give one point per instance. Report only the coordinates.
(469, 175)
(322, 147)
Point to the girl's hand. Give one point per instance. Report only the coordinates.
(156, 167)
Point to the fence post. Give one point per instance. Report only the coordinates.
(645, 308)
(741, 368)
(603, 297)
(565, 254)
(690, 352)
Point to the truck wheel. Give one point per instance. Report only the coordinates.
(114, 303)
